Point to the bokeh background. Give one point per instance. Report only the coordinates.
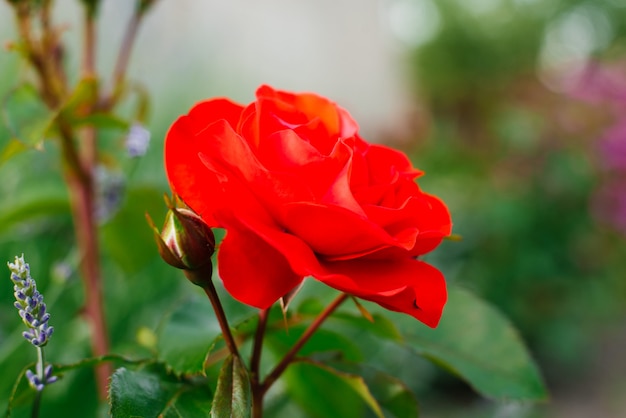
(516, 110)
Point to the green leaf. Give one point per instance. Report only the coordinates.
(321, 393)
(477, 343)
(323, 340)
(13, 147)
(153, 392)
(380, 391)
(233, 397)
(89, 362)
(21, 393)
(103, 121)
(82, 99)
(187, 336)
(378, 325)
(126, 237)
(27, 117)
(47, 205)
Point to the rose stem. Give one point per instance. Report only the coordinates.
(255, 361)
(288, 358)
(210, 291)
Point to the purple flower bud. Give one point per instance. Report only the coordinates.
(137, 140)
(17, 280)
(34, 381)
(48, 372)
(27, 317)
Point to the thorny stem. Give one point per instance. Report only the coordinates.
(288, 358)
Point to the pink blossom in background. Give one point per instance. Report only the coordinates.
(605, 85)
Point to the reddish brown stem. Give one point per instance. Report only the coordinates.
(51, 87)
(123, 58)
(80, 184)
(82, 202)
(255, 364)
(255, 360)
(289, 357)
(89, 47)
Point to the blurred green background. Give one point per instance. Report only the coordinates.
(497, 100)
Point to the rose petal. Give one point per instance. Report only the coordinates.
(253, 272)
(396, 284)
(421, 288)
(224, 151)
(318, 119)
(205, 113)
(186, 173)
(425, 212)
(385, 162)
(336, 231)
(285, 151)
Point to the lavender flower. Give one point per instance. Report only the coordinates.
(29, 303)
(39, 383)
(32, 309)
(137, 140)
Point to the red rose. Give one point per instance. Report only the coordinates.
(301, 194)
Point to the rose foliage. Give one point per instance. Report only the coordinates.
(300, 194)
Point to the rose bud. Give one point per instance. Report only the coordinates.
(186, 242)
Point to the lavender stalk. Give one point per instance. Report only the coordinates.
(32, 309)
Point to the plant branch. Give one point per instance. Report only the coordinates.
(51, 87)
(199, 276)
(36, 405)
(255, 360)
(79, 181)
(123, 58)
(255, 363)
(89, 47)
(40, 374)
(288, 358)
